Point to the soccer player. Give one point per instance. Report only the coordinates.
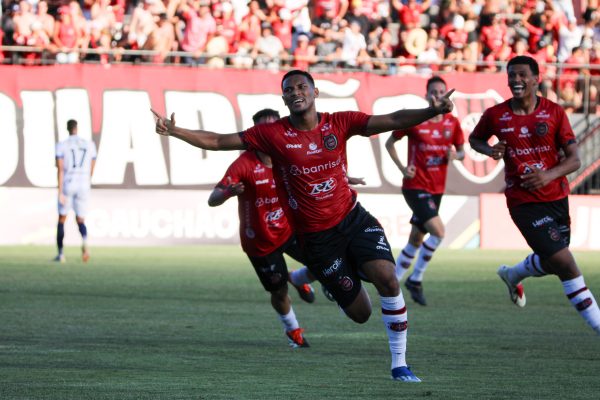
(75, 161)
(430, 149)
(265, 233)
(538, 147)
(341, 240)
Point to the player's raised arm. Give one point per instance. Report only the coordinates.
(199, 138)
(403, 119)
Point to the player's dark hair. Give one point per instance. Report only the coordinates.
(525, 60)
(71, 124)
(298, 72)
(265, 113)
(435, 79)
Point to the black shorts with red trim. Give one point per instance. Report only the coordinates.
(424, 206)
(334, 255)
(272, 268)
(545, 226)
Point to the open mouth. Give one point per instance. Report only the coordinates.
(517, 89)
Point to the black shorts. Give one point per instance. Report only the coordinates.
(545, 226)
(272, 268)
(335, 254)
(424, 206)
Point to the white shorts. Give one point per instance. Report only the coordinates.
(77, 199)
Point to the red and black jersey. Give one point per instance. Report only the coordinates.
(310, 167)
(532, 142)
(428, 145)
(263, 225)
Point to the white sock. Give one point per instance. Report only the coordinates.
(530, 266)
(404, 260)
(289, 321)
(425, 253)
(300, 276)
(394, 316)
(582, 299)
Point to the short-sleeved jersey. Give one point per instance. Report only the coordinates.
(263, 225)
(428, 145)
(310, 167)
(77, 155)
(532, 142)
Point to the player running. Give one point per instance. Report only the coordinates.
(341, 240)
(265, 233)
(539, 149)
(431, 146)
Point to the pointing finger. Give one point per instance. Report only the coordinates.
(449, 93)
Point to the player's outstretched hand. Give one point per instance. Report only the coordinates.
(443, 105)
(498, 150)
(163, 125)
(233, 189)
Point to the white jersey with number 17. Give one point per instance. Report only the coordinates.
(77, 155)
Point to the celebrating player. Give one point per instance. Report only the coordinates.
(265, 233)
(539, 149)
(429, 152)
(341, 240)
(75, 161)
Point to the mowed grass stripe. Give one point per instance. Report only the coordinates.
(194, 323)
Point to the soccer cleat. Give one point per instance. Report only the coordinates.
(516, 292)
(327, 293)
(60, 258)
(296, 338)
(404, 374)
(85, 255)
(416, 291)
(306, 292)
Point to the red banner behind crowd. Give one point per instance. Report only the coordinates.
(112, 106)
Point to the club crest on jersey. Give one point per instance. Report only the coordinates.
(330, 142)
(541, 128)
(447, 133)
(554, 234)
(346, 283)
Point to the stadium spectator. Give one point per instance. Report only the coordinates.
(200, 27)
(265, 232)
(430, 150)
(340, 239)
(532, 132)
(141, 25)
(304, 55)
(336, 9)
(23, 18)
(75, 161)
(250, 27)
(354, 46)
(68, 37)
(268, 49)
(161, 39)
(45, 19)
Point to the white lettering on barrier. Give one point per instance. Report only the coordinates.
(38, 138)
(128, 137)
(9, 139)
(196, 110)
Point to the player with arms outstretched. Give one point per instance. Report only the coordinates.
(341, 240)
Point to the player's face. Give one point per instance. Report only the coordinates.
(299, 94)
(436, 91)
(521, 81)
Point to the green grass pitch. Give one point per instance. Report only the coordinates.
(194, 323)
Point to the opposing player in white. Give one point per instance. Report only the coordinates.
(75, 161)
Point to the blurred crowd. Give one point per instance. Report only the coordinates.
(385, 36)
